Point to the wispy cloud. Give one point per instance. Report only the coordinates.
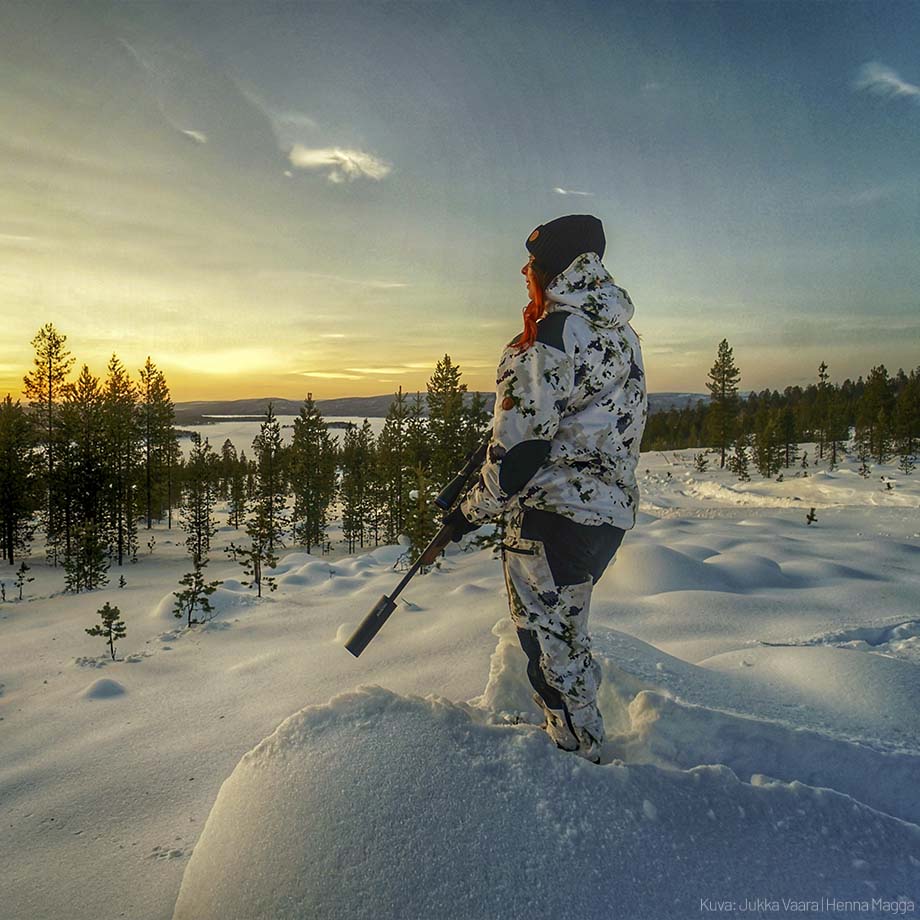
(340, 165)
(652, 86)
(571, 191)
(198, 136)
(378, 370)
(332, 335)
(883, 81)
(324, 375)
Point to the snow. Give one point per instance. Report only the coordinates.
(760, 692)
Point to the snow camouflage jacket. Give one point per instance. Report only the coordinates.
(570, 410)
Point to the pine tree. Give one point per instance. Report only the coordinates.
(313, 475)
(122, 451)
(228, 463)
(393, 470)
(238, 492)
(768, 443)
(356, 459)
(157, 423)
(112, 627)
(86, 565)
(907, 419)
(447, 420)
(822, 408)
(738, 462)
(83, 467)
(723, 381)
(270, 488)
(19, 480)
(874, 415)
(789, 436)
(418, 444)
(198, 500)
(195, 594)
(421, 519)
(21, 578)
(44, 388)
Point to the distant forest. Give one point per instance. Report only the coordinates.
(94, 462)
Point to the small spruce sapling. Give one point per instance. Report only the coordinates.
(907, 464)
(700, 462)
(195, 595)
(2, 592)
(811, 517)
(112, 627)
(21, 579)
(121, 581)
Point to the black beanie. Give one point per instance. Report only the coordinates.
(557, 244)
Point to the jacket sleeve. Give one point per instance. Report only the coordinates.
(532, 391)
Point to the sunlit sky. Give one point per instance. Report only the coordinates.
(270, 198)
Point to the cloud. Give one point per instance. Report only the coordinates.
(332, 335)
(652, 86)
(883, 81)
(339, 164)
(379, 370)
(198, 136)
(323, 375)
(570, 191)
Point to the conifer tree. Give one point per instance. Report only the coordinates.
(873, 416)
(195, 595)
(198, 500)
(447, 420)
(739, 460)
(313, 475)
(86, 565)
(111, 628)
(822, 408)
(83, 467)
(356, 459)
(228, 464)
(723, 381)
(157, 418)
(270, 488)
(768, 443)
(421, 518)
(906, 427)
(418, 444)
(21, 578)
(789, 436)
(44, 387)
(19, 480)
(393, 469)
(122, 450)
(238, 491)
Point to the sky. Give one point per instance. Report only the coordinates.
(275, 198)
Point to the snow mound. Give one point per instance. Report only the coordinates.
(380, 805)
(103, 689)
(648, 568)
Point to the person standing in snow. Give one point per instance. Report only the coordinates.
(570, 409)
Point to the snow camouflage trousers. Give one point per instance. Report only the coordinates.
(551, 564)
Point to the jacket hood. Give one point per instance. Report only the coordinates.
(586, 288)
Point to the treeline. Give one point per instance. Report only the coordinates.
(90, 461)
(880, 413)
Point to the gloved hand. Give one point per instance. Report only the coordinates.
(459, 525)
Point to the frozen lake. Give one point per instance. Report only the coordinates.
(241, 430)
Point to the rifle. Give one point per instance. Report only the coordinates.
(381, 611)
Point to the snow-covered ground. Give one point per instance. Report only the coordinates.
(760, 690)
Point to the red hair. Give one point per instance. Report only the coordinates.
(534, 310)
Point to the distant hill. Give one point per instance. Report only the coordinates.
(189, 413)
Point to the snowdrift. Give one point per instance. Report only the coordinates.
(382, 805)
